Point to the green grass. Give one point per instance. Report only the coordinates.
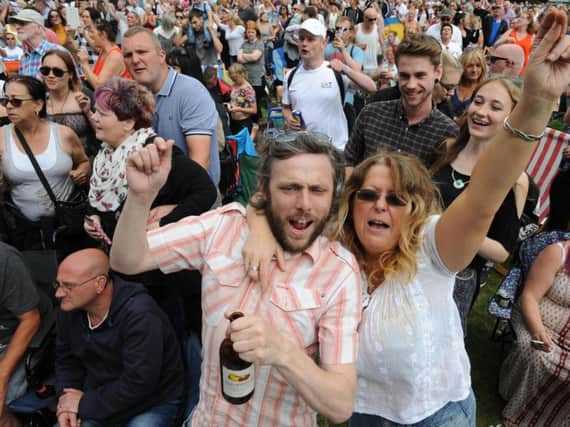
(485, 356)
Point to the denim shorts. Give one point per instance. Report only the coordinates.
(454, 414)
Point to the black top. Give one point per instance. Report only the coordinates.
(130, 363)
(188, 186)
(506, 223)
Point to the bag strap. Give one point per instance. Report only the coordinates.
(337, 76)
(36, 166)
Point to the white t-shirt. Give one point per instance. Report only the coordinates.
(456, 37)
(453, 49)
(315, 93)
(13, 54)
(412, 359)
(235, 38)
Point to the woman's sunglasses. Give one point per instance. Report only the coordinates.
(58, 72)
(372, 196)
(14, 101)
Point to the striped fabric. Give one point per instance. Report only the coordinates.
(314, 303)
(543, 166)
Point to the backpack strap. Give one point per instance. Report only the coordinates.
(337, 75)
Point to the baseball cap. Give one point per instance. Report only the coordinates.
(27, 15)
(445, 12)
(314, 27)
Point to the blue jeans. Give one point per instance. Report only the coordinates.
(162, 415)
(454, 414)
(194, 360)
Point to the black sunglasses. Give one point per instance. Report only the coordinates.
(369, 19)
(492, 59)
(58, 72)
(448, 86)
(14, 101)
(367, 195)
(341, 29)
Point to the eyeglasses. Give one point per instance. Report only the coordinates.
(341, 29)
(16, 102)
(69, 288)
(449, 87)
(491, 59)
(371, 19)
(372, 196)
(58, 72)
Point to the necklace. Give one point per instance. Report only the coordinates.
(458, 182)
(62, 105)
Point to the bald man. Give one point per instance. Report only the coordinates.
(506, 60)
(117, 358)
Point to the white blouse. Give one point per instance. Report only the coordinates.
(412, 359)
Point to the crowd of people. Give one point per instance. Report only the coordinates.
(383, 197)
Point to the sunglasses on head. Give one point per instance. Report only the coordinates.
(58, 72)
(16, 102)
(368, 195)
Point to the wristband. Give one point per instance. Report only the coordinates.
(519, 133)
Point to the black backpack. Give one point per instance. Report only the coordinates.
(348, 109)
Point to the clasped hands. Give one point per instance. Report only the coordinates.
(68, 407)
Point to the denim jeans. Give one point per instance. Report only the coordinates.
(162, 415)
(454, 414)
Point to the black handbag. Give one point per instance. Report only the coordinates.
(69, 214)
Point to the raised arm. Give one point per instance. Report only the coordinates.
(147, 172)
(464, 225)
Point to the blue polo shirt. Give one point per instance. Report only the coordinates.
(184, 107)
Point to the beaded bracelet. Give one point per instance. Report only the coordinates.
(519, 133)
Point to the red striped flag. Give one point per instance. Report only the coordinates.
(543, 166)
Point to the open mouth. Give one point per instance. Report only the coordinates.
(378, 225)
(479, 122)
(300, 224)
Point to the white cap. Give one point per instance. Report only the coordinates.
(314, 27)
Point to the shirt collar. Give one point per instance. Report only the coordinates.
(166, 87)
(402, 113)
(313, 251)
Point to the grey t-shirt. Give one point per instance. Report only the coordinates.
(205, 50)
(255, 70)
(18, 293)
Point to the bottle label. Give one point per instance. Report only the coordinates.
(238, 383)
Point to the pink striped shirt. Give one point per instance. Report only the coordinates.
(315, 303)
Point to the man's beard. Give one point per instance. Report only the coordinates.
(278, 225)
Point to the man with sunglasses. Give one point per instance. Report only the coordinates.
(12, 52)
(30, 27)
(506, 60)
(118, 360)
(369, 36)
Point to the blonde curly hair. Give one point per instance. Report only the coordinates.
(413, 184)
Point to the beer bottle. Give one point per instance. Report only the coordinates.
(237, 375)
